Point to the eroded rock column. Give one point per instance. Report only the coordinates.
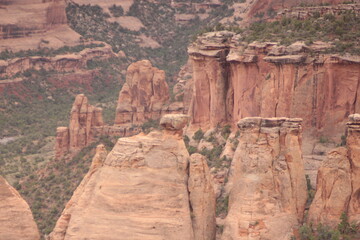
(267, 181)
(338, 181)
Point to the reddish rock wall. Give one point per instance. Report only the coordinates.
(267, 80)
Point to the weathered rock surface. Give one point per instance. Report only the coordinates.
(333, 189)
(202, 198)
(233, 81)
(143, 95)
(145, 188)
(34, 23)
(174, 121)
(16, 220)
(86, 124)
(267, 181)
(60, 63)
(338, 183)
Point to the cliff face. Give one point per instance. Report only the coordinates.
(267, 182)
(59, 63)
(16, 218)
(143, 95)
(32, 23)
(141, 187)
(338, 184)
(267, 80)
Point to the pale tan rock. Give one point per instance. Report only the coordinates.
(16, 220)
(62, 141)
(139, 192)
(202, 198)
(338, 181)
(174, 121)
(143, 95)
(353, 145)
(333, 189)
(267, 181)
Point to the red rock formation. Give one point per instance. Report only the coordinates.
(267, 80)
(267, 182)
(59, 63)
(34, 23)
(338, 181)
(83, 118)
(16, 220)
(276, 5)
(140, 191)
(143, 95)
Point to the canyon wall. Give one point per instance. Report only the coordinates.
(338, 184)
(267, 186)
(16, 220)
(33, 24)
(59, 63)
(140, 191)
(233, 81)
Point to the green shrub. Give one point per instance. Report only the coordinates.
(199, 134)
(150, 125)
(116, 11)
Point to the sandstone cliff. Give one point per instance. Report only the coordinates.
(233, 80)
(140, 191)
(338, 184)
(16, 220)
(33, 24)
(59, 63)
(267, 192)
(143, 95)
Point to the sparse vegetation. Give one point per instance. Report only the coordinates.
(199, 134)
(344, 231)
(222, 206)
(116, 11)
(47, 52)
(150, 125)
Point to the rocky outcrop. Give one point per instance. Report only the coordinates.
(16, 15)
(83, 117)
(143, 95)
(16, 220)
(333, 189)
(233, 80)
(140, 191)
(59, 63)
(338, 181)
(86, 125)
(267, 186)
(34, 24)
